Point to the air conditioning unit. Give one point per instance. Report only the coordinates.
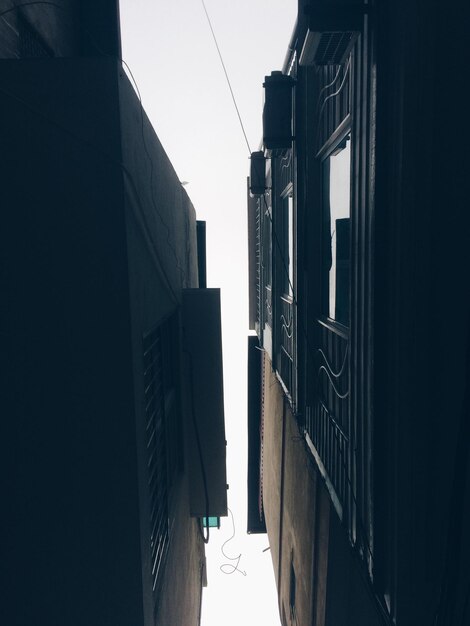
(277, 112)
(333, 28)
(257, 173)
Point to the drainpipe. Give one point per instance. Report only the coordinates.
(291, 48)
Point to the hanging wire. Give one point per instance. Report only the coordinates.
(229, 568)
(226, 76)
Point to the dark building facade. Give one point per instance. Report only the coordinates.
(359, 248)
(101, 316)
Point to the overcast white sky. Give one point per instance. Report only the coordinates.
(169, 48)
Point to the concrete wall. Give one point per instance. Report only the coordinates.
(296, 507)
(305, 533)
(272, 425)
(72, 518)
(63, 28)
(349, 596)
(303, 513)
(87, 236)
(422, 373)
(182, 588)
(162, 258)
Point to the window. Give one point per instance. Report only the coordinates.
(287, 243)
(266, 271)
(157, 453)
(284, 307)
(266, 211)
(336, 232)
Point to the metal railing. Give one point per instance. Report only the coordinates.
(327, 420)
(286, 348)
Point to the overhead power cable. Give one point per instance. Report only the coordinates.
(226, 76)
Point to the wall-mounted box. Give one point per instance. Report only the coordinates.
(257, 173)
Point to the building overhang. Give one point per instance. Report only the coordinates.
(255, 521)
(202, 357)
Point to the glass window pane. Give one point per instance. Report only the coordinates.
(287, 243)
(337, 202)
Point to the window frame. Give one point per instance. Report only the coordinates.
(331, 148)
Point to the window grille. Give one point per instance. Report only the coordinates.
(156, 450)
(284, 267)
(259, 213)
(327, 421)
(163, 436)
